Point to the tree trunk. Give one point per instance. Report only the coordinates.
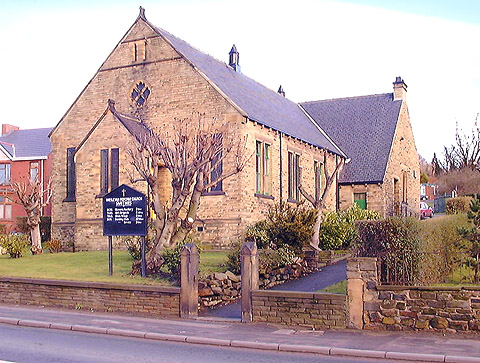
(315, 241)
(36, 240)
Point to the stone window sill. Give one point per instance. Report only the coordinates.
(265, 196)
(215, 192)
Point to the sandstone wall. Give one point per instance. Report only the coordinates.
(151, 301)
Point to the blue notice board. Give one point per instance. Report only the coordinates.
(124, 212)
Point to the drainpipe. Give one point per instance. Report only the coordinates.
(42, 186)
(281, 168)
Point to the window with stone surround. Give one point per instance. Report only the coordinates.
(71, 176)
(139, 50)
(293, 176)
(318, 171)
(109, 170)
(140, 94)
(263, 180)
(217, 171)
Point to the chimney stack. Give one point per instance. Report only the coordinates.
(281, 91)
(399, 89)
(234, 59)
(6, 129)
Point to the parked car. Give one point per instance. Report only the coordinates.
(425, 210)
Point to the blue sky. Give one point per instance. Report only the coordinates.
(317, 49)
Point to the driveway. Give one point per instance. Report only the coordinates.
(327, 276)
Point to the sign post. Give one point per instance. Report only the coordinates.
(124, 214)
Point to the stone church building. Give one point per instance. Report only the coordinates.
(154, 79)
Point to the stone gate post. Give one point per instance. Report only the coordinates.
(189, 281)
(249, 265)
(362, 278)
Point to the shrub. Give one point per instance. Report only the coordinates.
(440, 253)
(15, 244)
(134, 243)
(338, 229)
(171, 256)
(395, 241)
(290, 225)
(280, 257)
(457, 205)
(54, 245)
(233, 263)
(258, 232)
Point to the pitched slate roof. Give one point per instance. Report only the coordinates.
(363, 127)
(27, 144)
(133, 125)
(259, 103)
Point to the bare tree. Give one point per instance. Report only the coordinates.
(33, 197)
(193, 155)
(465, 153)
(318, 200)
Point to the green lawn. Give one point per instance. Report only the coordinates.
(91, 266)
(338, 288)
(213, 261)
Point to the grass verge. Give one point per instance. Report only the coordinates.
(338, 288)
(91, 266)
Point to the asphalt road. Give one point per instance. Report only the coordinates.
(22, 344)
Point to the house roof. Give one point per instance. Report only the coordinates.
(256, 101)
(363, 127)
(27, 144)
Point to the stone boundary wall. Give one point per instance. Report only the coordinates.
(423, 308)
(304, 309)
(405, 308)
(152, 301)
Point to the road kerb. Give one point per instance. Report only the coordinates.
(209, 341)
(59, 326)
(126, 333)
(254, 345)
(89, 329)
(11, 321)
(34, 323)
(458, 359)
(358, 352)
(416, 356)
(166, 337)
(304, 349)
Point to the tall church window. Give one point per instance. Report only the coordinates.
(71, 176)
(109, 170)
(293, 176)
(262, 168)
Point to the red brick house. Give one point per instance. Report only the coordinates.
(23, 154)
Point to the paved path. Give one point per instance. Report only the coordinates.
(327, 276)
(393, 346)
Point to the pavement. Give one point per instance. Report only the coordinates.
(390, 346)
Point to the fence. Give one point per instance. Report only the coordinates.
(427, 268)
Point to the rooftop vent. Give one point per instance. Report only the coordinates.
(233, 60)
